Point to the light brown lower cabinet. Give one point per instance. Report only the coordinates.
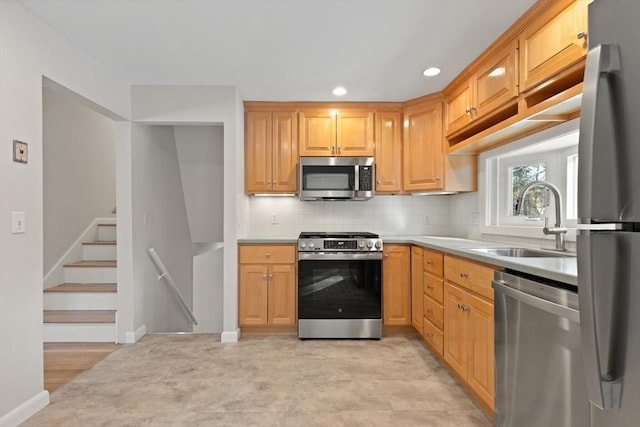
(469, 325)
(267, 285)
(396, 285)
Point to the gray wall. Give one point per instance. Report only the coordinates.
(159, 221)
(201, 157)
(79, 182)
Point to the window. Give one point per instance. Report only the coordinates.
(551, 156)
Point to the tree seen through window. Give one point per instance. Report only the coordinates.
(534, 203)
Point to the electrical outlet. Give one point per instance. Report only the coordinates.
(475, 218)
(425, 219)
(19, 223)
(274, 218)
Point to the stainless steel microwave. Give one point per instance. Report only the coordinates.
(336, 178)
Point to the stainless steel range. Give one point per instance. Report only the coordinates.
(339, 285)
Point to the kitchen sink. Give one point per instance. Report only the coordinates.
(523, 252)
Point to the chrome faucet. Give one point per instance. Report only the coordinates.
(558, 228)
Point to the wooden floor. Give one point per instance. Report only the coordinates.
(64, 361)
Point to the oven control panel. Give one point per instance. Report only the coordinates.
(340, 245)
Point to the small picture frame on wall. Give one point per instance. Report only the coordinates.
(20, 151)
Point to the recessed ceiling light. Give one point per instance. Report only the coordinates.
(432, 71)
(339, 91)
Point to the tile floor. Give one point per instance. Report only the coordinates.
(194, 380)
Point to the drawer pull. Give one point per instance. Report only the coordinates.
(463, 275)
(429, 262)
(430, 335)
(429, 286)
(430, 311)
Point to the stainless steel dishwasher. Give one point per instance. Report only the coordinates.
(539, 369)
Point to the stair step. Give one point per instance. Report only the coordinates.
(92, 263)
(107, 232)
(79, 332)
(84, 287)
(100, 251)
(79, 316)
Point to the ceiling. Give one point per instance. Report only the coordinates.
(285, 50)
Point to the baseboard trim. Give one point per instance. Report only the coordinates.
(230, 336)
(133, 337)
(23, 412)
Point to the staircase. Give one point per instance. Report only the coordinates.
(83, 309)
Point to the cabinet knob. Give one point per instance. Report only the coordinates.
(437, 178)
(429, 262)
(430, 311)
(378, 182)
(385, 256)
(429, 286)
(264, 276)
(430, 335)
(270, 275)
(333, 150)
(339, 149)
(267, 255)
(582, 35)
(463, 275)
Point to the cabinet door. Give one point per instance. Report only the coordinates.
(552, 42)
(388, 152)
(354, 133)
(282, 295)
(455, 329)
(481, 348)
(416, 289)
(285, 152)
(396, 287)
(258, 149)
(457, 106)
(317, 133)
(252, 295)
(496, 81)
(423, 148)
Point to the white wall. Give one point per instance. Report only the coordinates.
(30, 50)
(79, 171)
(203, 105)
(159, 222)
(384, 215)
(201, 157)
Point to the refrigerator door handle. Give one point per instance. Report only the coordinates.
(603, 387)
(602, 60)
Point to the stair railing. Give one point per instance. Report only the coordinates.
(164, 274)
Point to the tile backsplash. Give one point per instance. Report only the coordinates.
(384, 215)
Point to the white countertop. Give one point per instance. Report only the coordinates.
(562, 269)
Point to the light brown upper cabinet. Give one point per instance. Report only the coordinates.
(388, 152)
(552, 42)
(271, 152)
(423, 146)
(344, 132)
(491, 85)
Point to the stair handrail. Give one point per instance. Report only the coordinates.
(164, 274)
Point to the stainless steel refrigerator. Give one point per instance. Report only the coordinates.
(609, 211)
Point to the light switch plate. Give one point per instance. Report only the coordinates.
(19, 223)
(20, 151)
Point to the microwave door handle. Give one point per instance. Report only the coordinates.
(356, 181)
(598, 175)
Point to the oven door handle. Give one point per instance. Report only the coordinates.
(329, 256)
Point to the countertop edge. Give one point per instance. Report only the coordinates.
(559, 269)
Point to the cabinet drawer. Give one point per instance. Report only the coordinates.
(432, 262)
(267, 254)
(433, 312)
(433, 287)
(471, 275)
(434, 337)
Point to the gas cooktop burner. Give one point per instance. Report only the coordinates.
(337, 235)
